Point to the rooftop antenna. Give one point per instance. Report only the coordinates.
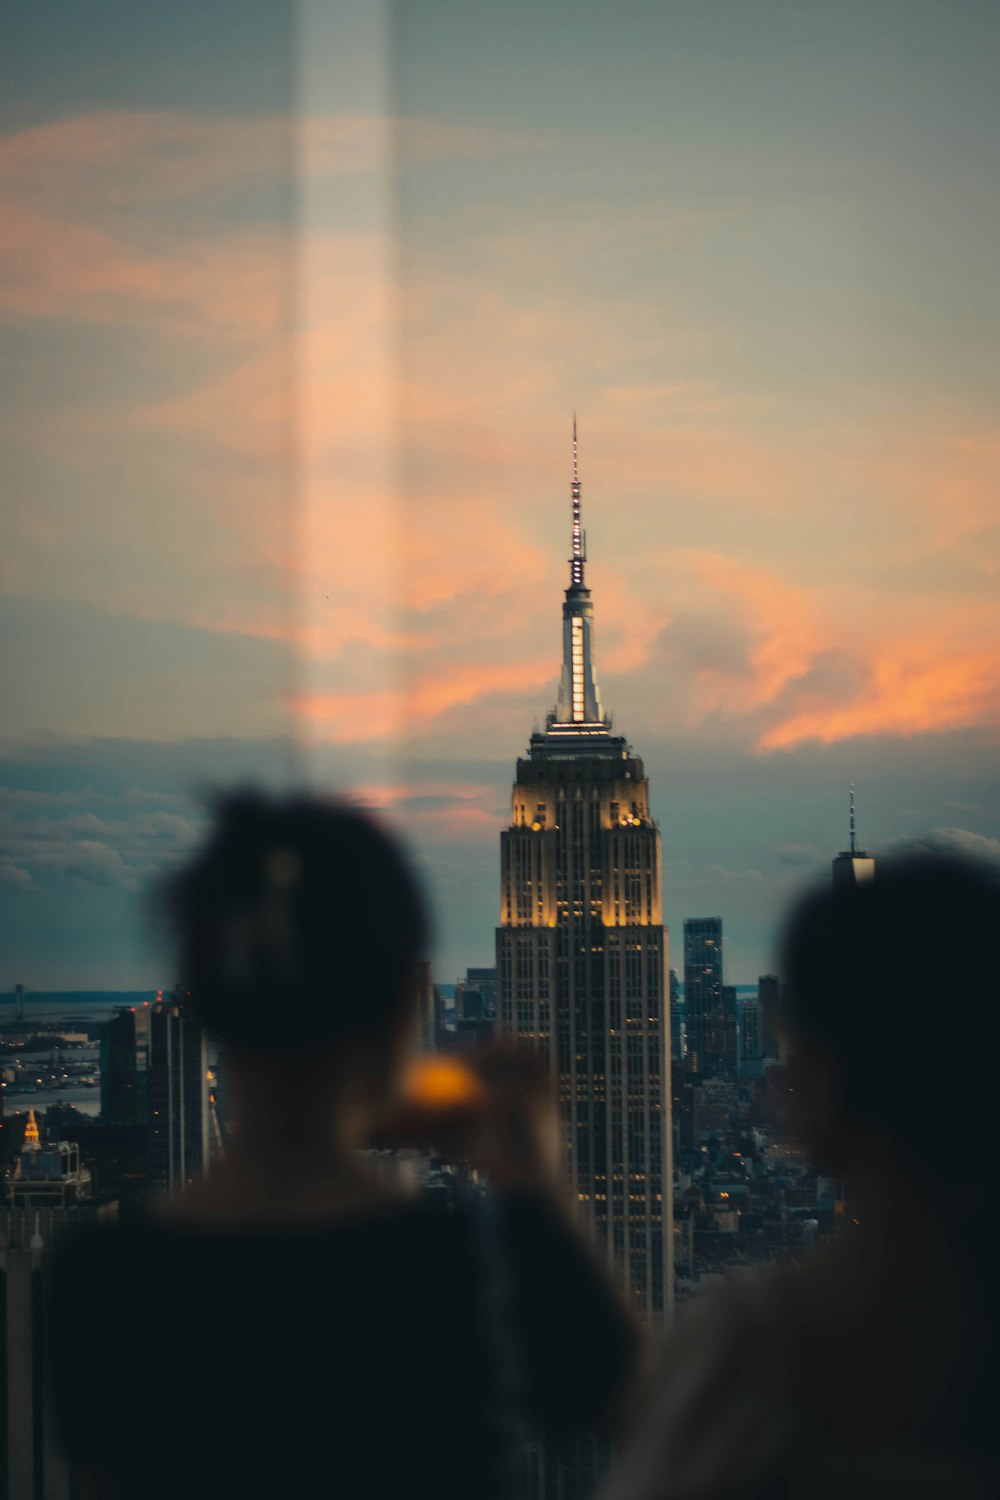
(579, 541)
(853, 842)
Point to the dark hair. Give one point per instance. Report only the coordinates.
(298, 923)
(896, 978)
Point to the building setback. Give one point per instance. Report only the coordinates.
(582, 958)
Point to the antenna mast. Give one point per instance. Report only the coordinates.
(579, 540)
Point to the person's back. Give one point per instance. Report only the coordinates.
(350, 1357)
(289, 1325)
(863, 1370)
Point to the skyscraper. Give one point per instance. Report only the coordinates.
(767, 1003)
(124, 1066)
(676, 1022)
(582, 956)
(177, 1094)
(709, 1014)
(852, 866)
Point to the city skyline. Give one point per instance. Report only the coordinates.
(759, 259)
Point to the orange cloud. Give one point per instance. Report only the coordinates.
(55, 270)
(430, 495)
(115, 158)
(913, 687)
(348, 717)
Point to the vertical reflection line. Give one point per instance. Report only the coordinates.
(350, 696)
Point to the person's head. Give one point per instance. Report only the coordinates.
(300, 928)
(889, 1013)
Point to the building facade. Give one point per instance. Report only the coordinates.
(709, 1014)
(177, 1092)
(676, 1022)
(125, 1066)
(49, 1176)
(749, 1031)
(32, 1461)
(767, 1003)
(582, 958)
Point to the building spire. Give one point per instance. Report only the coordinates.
(579, 556)
(852, 866)
(579, 705)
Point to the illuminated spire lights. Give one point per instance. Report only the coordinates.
(579, 556)
(852, 866)
(578, 711)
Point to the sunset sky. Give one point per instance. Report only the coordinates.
(296, 310)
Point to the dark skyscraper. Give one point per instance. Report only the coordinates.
(178, 1096)
(710, 1049)
(582, 957)
(749, 1032)
(124, 1066)
(852, 866)
(729, 1037)
(767, 1002)
(676, 1022)
(476, 995)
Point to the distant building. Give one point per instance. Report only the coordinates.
(47, 1176)
(430, 1008)
(475, 1011)
(476, 995)
(125, 1066)
(713, 1107)
(472, 1034)
(852, 866)
(676, 1022)
(154, 1080)
(749, 1031)
(729, 1034)
(177, 1095)
(710, 1047)
(117, 1157)
(31, 1461)
(767, 1001)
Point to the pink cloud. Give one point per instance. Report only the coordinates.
(919, 686)
(114, 159)
(63, 271)
(448, 569)
(347, 717)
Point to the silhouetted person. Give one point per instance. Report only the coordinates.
(863, 1370)
(291, 1325)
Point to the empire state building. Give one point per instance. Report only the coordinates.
(582, 957)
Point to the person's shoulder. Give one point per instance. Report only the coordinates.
(720, 1401)
(99, 1249)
